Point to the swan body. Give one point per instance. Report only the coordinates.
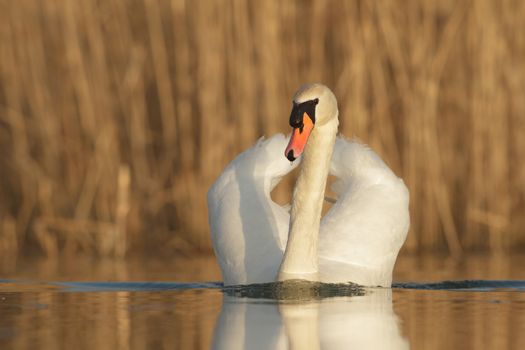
(258, 241)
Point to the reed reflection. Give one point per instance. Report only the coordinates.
(363, 321)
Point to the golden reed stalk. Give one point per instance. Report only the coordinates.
(116, 116)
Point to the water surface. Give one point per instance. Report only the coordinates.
(436, 303)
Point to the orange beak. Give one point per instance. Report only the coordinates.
(298, 140)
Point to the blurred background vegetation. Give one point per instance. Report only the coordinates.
(116, 116)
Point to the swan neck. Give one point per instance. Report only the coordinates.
(300, 258)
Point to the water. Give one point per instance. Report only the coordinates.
(437, 303)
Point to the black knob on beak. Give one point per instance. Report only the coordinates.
(296, 117)
(298, 111)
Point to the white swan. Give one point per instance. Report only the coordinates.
(256, 240)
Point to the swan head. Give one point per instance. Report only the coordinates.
(314, 105)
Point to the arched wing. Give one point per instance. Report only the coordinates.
(363, 231)
(248, 229)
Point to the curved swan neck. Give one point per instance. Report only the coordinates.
(300, 258)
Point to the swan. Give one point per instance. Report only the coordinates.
(258, 241)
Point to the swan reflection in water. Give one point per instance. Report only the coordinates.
(363, 320)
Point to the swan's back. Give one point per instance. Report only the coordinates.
(248, 229)
(362, 233)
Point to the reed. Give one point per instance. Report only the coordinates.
(116, 116)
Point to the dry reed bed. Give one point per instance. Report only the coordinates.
(116, 116)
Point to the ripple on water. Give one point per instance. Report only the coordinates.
(466, 285)
(294, 289)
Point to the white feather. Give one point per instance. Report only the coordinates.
(360, 235)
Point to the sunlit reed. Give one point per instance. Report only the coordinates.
(116, 116)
